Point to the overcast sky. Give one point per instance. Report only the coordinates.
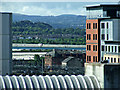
(48, 8)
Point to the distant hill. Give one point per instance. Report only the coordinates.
(61, 21)
(27, 23)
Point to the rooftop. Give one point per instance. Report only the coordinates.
(102, 5)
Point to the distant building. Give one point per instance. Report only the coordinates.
(57, 56)
(102, 32)
(72, 62)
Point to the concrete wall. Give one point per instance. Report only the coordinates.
(108, 75)
(96, 69)
(5, 43)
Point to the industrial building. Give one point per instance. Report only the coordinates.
(103, 33)
(48, 82)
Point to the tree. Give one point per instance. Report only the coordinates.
(37, 59)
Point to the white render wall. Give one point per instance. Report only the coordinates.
(113, 32)
(5, 43)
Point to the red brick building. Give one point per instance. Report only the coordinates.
(92, 40)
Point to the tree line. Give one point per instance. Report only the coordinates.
(46, 33)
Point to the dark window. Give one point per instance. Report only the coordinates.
(102, 48)
(108, 48)
(94, 47)
(115, 60)
(88, 36)
(111, 60)
(96, 58)
(102, 58)
(93, 58)
(118, 60)
(105, 58)
(102, 25)
(94, 36)
(107, 37)
(107, 26)
(111, 13)
(88, 47)
(103, 36)
(89, 58)
(115, 48)
(88, 25)
(108, 58)
(112, 48)
(119, 48)
(94, 25)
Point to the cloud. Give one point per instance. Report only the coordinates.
(45, 9)
(25, 8)
(59, 0)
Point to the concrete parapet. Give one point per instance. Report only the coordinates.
(107, 74)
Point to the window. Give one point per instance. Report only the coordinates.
(102, 25)
(119, 49)
(94, 36)
(94, 25)
(102, 58)
(105, 58)
(115, 48)
(94, 58)
(112, 48)
(88, 25)
(102, 48)
(106, 48)
(88, 47)
(107, 37)
(107, 26)
(118, 60)
(88, 58)
(114, 60)
(94, 47)
(103, 36)
(111, 60)
(108, 58)
(88, 36)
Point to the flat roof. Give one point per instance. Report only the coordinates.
(5, 12)
(100, 5)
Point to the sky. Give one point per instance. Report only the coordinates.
(33, 7)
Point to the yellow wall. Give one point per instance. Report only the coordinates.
(112, 56)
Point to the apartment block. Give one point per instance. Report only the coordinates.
(102, 31)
